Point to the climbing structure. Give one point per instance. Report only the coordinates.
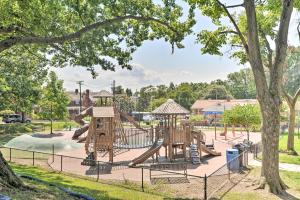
(105, 132)
(175, 134)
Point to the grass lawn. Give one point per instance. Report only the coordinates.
(246, 191)
(10, 131)
(92, 188)
(286, 158)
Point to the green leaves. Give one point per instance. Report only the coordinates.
(213, 40)
(247, 116)
(54, 99)
(107, 45)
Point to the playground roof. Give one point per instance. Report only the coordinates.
(170, 108)
(103, 93)
(103, 112)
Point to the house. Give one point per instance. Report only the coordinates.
(89, 98)
(207, 106)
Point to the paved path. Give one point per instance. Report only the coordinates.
(282, 166)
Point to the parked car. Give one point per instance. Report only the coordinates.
(13, 118)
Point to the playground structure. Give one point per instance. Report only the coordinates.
(174, 136)
(105, 132)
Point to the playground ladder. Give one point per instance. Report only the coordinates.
(195, 154)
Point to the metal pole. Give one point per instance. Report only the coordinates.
(98, 171)
(33, 158)
(51, 128)
(215, 127)
(53, 153)
(143, 179)
(205, 187)
(80, 101)
(9, 154)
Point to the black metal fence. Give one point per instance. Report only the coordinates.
(256, 149)
(174, 176)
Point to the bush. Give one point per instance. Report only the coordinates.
(196, 118)
(6, 112)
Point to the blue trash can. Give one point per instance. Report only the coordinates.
(233, 163)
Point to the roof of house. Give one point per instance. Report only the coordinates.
(103, 111)
(170, 107)
(218, 105)
(102, 93)
(93, 95)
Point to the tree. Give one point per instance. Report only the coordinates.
(291, 91)
(217, 92)
(241, 84)
(156, 103)
(54, 99)
(24, 78)
(183, 95)
(128, 92)
(20, 87)
(89, 33)
(249, 33)
(247, 116)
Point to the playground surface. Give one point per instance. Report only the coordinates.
(122, 157)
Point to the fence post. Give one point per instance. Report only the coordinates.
(33, 158)
(143, 179)
(61, 162)
(53, 153)
(205, 187)
(9, 154)
(98, 170)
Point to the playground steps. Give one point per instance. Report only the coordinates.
(89, 160)
(195, 154)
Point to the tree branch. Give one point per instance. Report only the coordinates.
(235, 25)
(9, 29)
(288, 97)
(270, 51)
(296, 96)
(12, 41)
(237, 5)
(255, 58)
(226, 32)
(281, 45)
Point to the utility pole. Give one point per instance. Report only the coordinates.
(80, 100)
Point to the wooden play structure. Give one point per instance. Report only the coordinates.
(175, 134)
(105, 131)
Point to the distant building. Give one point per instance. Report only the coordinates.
(206, 107)
(89, 98)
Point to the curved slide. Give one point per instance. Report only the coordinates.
(79, 120)
(154, 149)
(208, 150)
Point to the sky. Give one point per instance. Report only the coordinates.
(153, 64)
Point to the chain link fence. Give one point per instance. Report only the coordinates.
(170, 178)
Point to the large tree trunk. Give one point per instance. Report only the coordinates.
(270, 158)
(7, 177)
(292, 117)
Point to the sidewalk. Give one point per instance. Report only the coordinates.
(282, 166)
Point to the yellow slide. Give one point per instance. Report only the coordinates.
(154, 149)
(208, 150)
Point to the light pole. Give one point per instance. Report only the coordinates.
(80, 101)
